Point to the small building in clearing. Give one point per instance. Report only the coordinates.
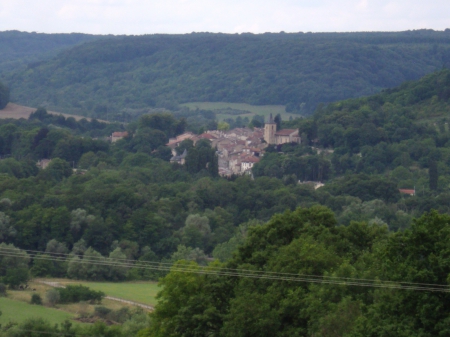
(118, 135)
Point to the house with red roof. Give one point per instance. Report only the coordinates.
(115, 136)
(407, 191)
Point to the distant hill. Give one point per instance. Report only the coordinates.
(297, 70)
(21, 49)
(414, 110)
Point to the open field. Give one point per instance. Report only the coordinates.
(16, 111)
(264, 110)
(18, 302)
(18, 311)
(140, 292)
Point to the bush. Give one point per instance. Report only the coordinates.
(15, 277)
(2, 289)
(36, 299)
(102, 311)
(121, 315)
(74, 294)
(52, 296)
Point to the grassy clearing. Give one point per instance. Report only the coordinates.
(20, 300)
(140, 292)
(18, 311)
(264, 110)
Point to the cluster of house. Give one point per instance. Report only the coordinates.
(238, 149)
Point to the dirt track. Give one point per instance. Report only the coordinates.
(19, 111)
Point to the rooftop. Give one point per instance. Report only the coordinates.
(285, 132)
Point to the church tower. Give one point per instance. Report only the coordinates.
(269, 131)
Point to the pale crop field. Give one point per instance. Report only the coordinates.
(16, 111)
(264, 110)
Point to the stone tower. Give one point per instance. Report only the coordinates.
(269, 131)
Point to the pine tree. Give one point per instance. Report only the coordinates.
(277, 120)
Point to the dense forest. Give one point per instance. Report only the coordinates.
(401, 133)
(354, 257)
(126, 198)
(20, 50)
(302, 275)
(299, 70)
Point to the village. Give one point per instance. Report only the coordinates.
(240, 148)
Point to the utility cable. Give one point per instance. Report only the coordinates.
(168, 266)
(244, 273)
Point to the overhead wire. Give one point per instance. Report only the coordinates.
(239, 272)
(136, 263)
(211, 270)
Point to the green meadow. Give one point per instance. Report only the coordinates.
(140, 292)
(18, 311)
(264, 110)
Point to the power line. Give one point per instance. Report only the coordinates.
(101, 260)
(217, 271)
(242, 273)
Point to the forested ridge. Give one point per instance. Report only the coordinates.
(400, 133)
(298, 70)
(20, 49)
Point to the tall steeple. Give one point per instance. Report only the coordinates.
(269, 131)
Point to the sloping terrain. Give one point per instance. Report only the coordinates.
(297, 70)
(21, 49)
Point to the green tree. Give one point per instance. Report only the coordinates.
(15, 277)
(278, 121)
(91, 267)
(13, 261)
(223, 126)
(58, 169)
(164, 122)
(196, 232)
(189, 254)
(418, 255)
(7, 231)
(147, 140)
(184, 305)
(117, 272)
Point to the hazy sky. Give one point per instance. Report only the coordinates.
(228, 16)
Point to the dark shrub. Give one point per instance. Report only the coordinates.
(74, 294)
(36, 299)
(102, 312)
(121, 315)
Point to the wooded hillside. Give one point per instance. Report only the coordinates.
(298, 70)
(21, 49)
